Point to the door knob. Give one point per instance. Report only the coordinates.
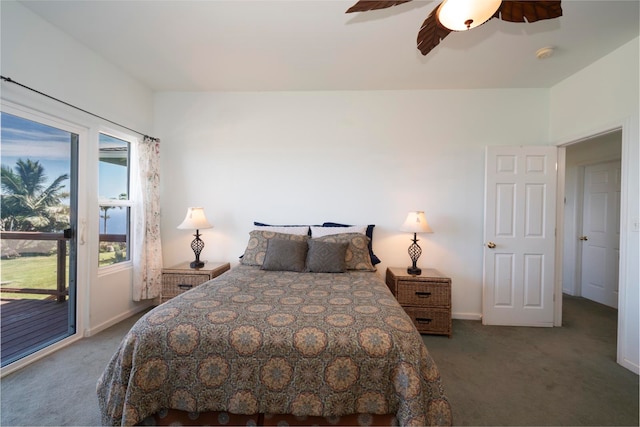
(584, 238)
(491, 245)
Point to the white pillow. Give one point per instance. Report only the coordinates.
(300, 231)
(328, 231)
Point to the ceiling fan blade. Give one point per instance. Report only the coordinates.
(431, 33)
(528, 11)
(365, 5)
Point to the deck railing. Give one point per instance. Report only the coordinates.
(61, 290)
(61, 280)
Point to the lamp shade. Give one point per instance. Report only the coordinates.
(461, 15)
(416, 222)
(195, 220)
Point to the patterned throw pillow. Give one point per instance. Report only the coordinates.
(374, 258)
(326, 257)
(257, 246)
(285, 255)
(357, 256)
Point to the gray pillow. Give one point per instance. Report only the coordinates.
(285, 255)
(326, 257)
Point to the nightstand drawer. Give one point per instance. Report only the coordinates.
(180, 278)
(431, 320)
(175, 284)
(423, 294)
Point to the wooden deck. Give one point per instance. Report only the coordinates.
(29, 325)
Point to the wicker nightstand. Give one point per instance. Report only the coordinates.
(426, 298)
(181, 278)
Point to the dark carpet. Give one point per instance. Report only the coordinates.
(497, 375)
(493, 375)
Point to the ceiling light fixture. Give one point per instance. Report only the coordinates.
(462, 15)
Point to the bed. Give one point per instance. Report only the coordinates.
(264, 345)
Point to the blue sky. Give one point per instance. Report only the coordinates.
(26, 139)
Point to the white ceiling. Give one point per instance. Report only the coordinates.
(230, 45)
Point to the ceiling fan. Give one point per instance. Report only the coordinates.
(462, 15)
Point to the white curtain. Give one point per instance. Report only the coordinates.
(147, 247)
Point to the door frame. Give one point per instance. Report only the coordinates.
(82, 256)
(629, 129)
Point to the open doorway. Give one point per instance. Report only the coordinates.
(627, 315)
(592, 211)
(591, 177)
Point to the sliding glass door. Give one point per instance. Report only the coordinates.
(38, 230)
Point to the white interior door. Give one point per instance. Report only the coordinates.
(519, 250)
(601, 233)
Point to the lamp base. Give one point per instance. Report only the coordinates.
(414, 271)
(197, 264)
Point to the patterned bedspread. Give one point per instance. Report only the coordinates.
(253, 341)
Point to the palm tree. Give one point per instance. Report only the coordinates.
(29, 205)
(105, 217)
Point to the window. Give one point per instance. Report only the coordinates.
(114, 200)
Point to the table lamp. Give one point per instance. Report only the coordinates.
(195, 220)
(415, 223)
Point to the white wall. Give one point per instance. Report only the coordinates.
(41, 56)
(601, 97)
(353, 157)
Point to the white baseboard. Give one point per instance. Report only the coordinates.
(467, 316)
(630, 365)
(117, 319)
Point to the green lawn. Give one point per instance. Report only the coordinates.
(35, 272)
(32, 272)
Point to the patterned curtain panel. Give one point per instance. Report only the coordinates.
(147, 248)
